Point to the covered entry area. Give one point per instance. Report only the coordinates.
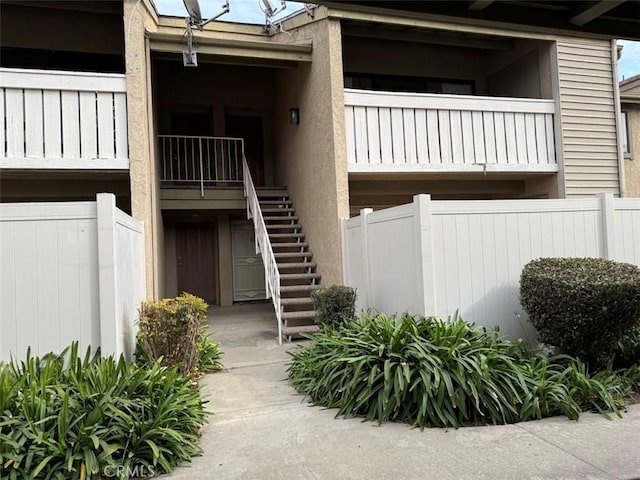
(211, 253)
(205, 120)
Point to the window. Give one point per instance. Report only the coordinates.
(626, 148)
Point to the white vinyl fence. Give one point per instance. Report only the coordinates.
(439, 257)
(69, 271)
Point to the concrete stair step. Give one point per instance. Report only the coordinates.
(286, 235)
(298, 288)
(271, 226)
(297, 330)
(298, 315)
(299, 276)
(296, 265)
(296, 301)
(277, 210)
(271, 194)
(275, 245)
(292, 254)
(281, 217)
(276, 203)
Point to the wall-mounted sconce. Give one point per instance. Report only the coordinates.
(294, 116)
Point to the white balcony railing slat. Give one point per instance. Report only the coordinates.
(63, 120)
(390, 132)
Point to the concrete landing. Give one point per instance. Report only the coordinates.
(263, 430)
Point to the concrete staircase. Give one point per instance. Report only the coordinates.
(298, 277)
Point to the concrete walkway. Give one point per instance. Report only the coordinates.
(263, 430)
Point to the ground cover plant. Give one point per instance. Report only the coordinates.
(583, 306)
(68, 417)
(433, 373)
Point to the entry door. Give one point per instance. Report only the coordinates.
(249, 127)
(197, 267)
(248, 271)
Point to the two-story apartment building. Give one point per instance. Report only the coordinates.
(346, 105)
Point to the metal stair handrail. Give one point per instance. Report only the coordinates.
(263, 244)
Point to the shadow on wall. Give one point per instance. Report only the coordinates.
(501, 307)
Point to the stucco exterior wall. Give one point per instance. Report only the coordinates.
(311, 157)
(144, 182)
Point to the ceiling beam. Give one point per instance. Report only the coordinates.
(478, 5)
(593, 11)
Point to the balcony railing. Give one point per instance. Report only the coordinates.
(401, 132)
(63, 120)
(201, 161)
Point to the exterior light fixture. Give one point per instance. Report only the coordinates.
(294, 116)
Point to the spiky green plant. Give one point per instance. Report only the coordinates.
(430, 372)
(70, 417)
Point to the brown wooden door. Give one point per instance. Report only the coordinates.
(249, 127)
(197, 267)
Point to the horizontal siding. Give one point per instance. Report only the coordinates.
(588, 119)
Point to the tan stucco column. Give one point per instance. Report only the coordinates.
(311, 157)
(143, 180)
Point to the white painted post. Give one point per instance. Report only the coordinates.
(345, 251)
(106, 211)
(424, 253)
(366, 262)
(608, 226)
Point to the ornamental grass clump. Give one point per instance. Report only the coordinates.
(68, 417)
(583, 306)
(169, 330)
(433, 373)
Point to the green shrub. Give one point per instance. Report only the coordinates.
(627, 350)
(209, 354)
(429, 372)
(334, 305)
(584, 306)
(169, 330)
(65, 417)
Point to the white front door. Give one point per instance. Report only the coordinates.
(248, 270)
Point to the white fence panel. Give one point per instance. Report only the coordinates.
(626, 214)
(62, 120)
(51, 272)
(436, 258)
(482, 246)
(393, 230)
(354, 263)
(130, 279)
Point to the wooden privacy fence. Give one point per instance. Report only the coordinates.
(69, 271)
(439, 257)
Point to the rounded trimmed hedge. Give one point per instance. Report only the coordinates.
(584, 306)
